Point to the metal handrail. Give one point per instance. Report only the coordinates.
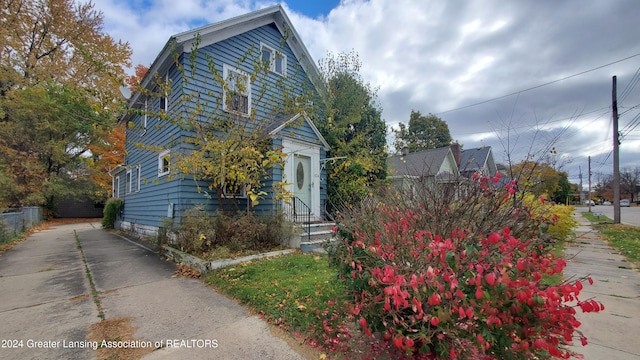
(300, 209)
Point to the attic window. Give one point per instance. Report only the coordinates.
(164, 96)
(145, 117)
(276, 60)
(236, 91)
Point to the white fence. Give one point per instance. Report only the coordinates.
(19, 221)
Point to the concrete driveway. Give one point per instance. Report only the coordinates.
(47, 304)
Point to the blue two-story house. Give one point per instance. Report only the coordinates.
(206, 63)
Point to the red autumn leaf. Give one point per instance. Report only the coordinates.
(409, 342)
(397, 342)
(490, 278)
(363, 322)
(461, 313)
(540, 344)
(435, 321)
(470, 312)
(479, 293)
(494, 238)
(434, 299)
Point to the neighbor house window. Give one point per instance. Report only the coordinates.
(237, 91)
(127, 184)
(164, 163)
(138, 172)
(276, 60)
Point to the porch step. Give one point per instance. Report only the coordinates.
(321, 233)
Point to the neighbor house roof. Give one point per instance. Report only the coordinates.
(474, 159)
(421, 163)
(222, 30)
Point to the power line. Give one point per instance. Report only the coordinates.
(573, 117)
(538, 86)
(630, 86)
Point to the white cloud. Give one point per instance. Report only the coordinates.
(438, 55)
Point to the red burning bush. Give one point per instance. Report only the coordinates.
(456, 272)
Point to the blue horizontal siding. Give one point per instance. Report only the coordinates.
(149, 205)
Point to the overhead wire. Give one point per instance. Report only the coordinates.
(630, 86)
(538, 86)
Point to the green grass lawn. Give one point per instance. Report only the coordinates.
(296, 292)
(624, 238)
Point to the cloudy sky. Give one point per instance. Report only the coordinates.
(522, 77)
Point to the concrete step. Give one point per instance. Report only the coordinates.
(316, 246)
(320, 234)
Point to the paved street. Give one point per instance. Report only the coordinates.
(628, 215)
(46, 300)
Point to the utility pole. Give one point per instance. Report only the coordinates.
(616, 155)
(589, 175)
(580, 190)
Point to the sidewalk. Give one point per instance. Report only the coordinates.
(614, 333)
(46, 297)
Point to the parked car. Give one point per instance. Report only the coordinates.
(590, 202)
(625, 202)
(606, 203)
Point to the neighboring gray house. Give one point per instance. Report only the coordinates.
(144, 181)
(439, 166)
(478, 160)
(435, 166)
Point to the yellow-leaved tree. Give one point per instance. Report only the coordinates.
(60, 78)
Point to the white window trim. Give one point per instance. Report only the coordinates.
(160, 163)
(165, 95)
(272, 64)
(127, 185)
(116, 187)
(138, 175)
(145, 117)
(225, 73)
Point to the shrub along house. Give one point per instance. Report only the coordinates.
(252, 69)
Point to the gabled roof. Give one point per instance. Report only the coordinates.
(421, 163)
(474, 159)
(283, 120)
(222, 30)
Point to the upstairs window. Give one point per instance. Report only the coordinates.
(145, 116)
(236, 91)
(164, 163)
(128, 182)
(276, 60)
(164, 97)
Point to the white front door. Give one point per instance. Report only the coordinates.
(302, 179)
